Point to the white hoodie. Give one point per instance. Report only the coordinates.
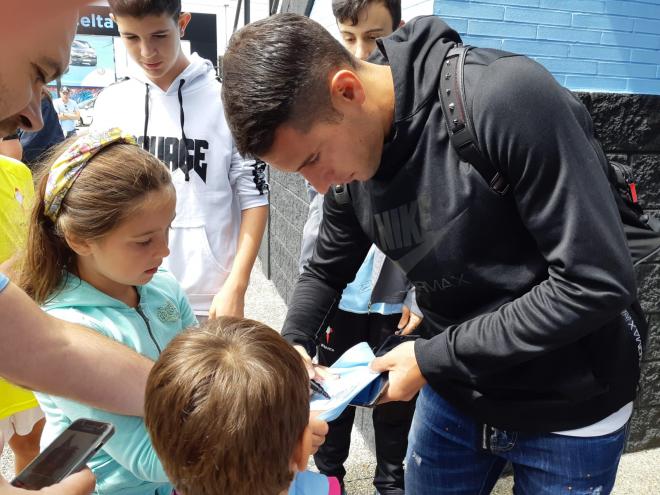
(221, 183)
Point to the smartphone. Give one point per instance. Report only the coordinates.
(370, 395)
(68, 454)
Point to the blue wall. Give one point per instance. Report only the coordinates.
(589, 45)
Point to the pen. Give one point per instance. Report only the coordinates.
(318, 388)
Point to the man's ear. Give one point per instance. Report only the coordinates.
(184, 19)
(302, 451)
(112, 16)
(79, 246)
(346, 88)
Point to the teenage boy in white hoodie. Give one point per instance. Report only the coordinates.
(173, 106)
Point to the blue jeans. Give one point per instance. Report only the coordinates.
(445, 456)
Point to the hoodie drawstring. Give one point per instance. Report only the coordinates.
(183, 158)
(183, 152)
(145, 139)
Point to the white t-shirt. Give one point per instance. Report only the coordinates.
(69, 107)
(605, 426)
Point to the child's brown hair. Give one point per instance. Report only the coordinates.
(226, 406)
(105, 193)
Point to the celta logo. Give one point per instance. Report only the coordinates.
(96, 21)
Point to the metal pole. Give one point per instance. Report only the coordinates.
(226, 37)
(238, 13)
(310, 6)
(246, 13)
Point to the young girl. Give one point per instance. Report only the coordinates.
(98, 234)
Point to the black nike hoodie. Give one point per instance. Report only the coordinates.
(531, 296)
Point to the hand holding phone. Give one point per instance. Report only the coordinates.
(67, 454)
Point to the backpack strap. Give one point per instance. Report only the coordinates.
(459, 122)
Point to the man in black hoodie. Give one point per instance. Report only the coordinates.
(530, 294)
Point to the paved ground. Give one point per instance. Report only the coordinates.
(639, 473)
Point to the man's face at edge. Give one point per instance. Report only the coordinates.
(41, 56)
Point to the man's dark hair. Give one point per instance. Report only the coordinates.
(348, 10)
(276, 71)
(143, 8)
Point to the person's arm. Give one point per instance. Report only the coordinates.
(230, 300)
(541, 137)
(75, 115)
(68, 116)
(248, 183)
(43, 353)
(319, 429)
(129, 446)
(340, 249)
(411, 315)
(81, 483)
(59, 109)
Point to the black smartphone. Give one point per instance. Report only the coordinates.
(371, 394)
(67, 454)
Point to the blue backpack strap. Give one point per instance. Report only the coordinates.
(459, 122)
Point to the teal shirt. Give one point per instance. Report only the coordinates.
(4, 281)
(127, 464)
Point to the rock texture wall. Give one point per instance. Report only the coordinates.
(629, 128)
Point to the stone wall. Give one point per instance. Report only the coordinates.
(288, 212)
(629, 127)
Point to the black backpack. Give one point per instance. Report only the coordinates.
(642, 231)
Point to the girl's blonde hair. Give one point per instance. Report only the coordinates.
(106, 192)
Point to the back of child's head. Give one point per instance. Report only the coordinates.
(86, 201)
(144, 8)
(227, 406)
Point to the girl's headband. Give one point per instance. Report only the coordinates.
(66, 168)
